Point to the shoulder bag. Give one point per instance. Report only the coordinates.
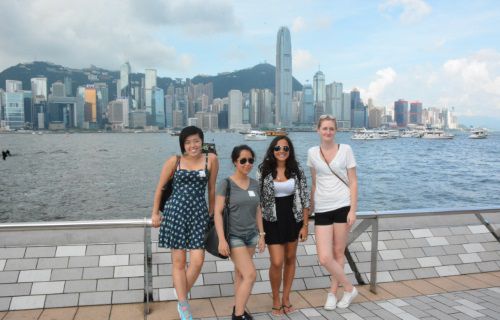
(211, 237)
(166, 190)
(324, 158)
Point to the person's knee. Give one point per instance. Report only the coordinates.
(277, 264)
(290, 258)
(250, 276)
(324, 259)
(338, 252)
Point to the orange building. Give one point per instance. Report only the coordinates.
(91, 100)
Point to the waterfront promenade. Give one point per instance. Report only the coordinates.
(99, 274)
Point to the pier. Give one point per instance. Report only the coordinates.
(426, 263)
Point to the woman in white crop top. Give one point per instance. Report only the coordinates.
(334, 201)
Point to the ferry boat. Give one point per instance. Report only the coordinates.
(277, 132)
(478, 134)
(436, 134)
(255, 135)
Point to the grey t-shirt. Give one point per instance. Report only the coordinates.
(242, 206)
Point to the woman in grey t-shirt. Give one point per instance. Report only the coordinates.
(245, 225)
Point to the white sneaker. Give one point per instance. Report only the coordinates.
(348, 298)
(331, 302)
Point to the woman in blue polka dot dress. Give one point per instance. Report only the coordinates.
(185, 216)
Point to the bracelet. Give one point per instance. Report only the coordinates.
(262, 234)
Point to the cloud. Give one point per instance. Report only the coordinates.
(385, 77)
(412, 10)
(298, 24)
(303, 60)
(107, 33)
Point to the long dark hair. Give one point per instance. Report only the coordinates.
(186, 132)
(268, 165)
(235, 154)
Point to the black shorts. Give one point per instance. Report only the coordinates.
(330, 217)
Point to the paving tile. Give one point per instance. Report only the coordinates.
(470, 282)
(416, 243)
(205, 291)
(23, 315)
(259, 303)
(9, 276)
(52, 263)
(202, 308)
(98, 273)
(445, 271)
(94, 298)
(437, 241)
(468, 311)
(399, 275)
(396, 244)
(9, 253)
(399, 290)
(391, 254)
(15, 289)
(100, 249)
(448, 284)
(87, 261)
(166, 294)
(478, 229)
(27, 302)
(128, 248)
(429, 262)
(128, 296)
(317, 282)
(413, 253)
(450, 259)
(423, 287)
(51, 287)
(367, 245)
(136, 283)
(70, 251)
(223, 306)
(61, 300)
(113, 260)
(129, 271)
(473, 247)
(315, 297)
(93, 313)
(421, 233)
(20, 264)
(469, 257)
(223, 266)
(468, 268)
(489, 256)
(80, 286)
(454, 249)
(67, 274)
(112, 284)
(487, 278)
(40, 252)
(219, 278)
(307, 261)
(488, 266)
(381, 294)
(58, 314)
(433, 251)
(34, 275)
(138, 258)
(2, 265)
(382, 276)
(423, 273)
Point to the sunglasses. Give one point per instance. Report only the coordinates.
(327, 116)
(278, 148)
(244, 161)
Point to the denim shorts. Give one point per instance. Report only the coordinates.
(249, 240)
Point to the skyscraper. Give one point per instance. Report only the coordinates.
(124, 80)
(319, 89)
(307, 111)
(149, 84)
(333, 98)
(283, 78)
(416, 112)
(13, 85)
(235, 109)
(401, 112)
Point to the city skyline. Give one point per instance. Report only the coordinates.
(409, 49)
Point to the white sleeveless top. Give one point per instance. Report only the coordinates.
(284, 188)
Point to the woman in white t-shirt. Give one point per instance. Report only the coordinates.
(334, 201)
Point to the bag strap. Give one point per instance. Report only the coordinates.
(176, 165)
(228, 192)
(328, 165)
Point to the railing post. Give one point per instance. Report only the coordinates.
(373, 264)
(148, 276)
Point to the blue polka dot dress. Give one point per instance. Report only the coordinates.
(185, 216)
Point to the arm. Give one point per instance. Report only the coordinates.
(214, 169)
(219, 225)
(304, 193)
(353, 186)
(260, 225)
(313, 190)
(166, 172)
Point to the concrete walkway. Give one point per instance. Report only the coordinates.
(457, 297)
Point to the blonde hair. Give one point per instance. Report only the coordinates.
(325, 117)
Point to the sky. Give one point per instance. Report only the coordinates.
(442, 53)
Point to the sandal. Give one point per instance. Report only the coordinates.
(277, 311)
(289, 309)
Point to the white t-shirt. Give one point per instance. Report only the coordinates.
(331, 193)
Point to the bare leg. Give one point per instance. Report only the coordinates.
(277, 253)
(197, 256)
(179, 273)
(340, 234)
(324, 245)
(242, 258)
(289, 272)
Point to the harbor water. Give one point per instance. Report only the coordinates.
(84, 176)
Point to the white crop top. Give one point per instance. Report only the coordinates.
(284, 188)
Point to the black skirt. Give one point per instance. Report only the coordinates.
(286, 229)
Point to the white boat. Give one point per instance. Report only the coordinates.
(436, 134)
(255, 135)
(409, 134)
(364, 134)
(478, 134)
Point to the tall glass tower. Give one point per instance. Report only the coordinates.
(283, 78)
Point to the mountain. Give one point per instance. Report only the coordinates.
(260, 76)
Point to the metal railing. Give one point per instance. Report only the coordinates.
(369, 219)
